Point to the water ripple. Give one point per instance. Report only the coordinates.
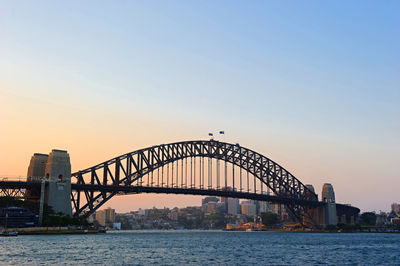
(201, 247)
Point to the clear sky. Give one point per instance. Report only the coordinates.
(314, 85)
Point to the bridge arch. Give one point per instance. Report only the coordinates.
(124, 174)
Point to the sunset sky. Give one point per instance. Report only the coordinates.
(313, 85)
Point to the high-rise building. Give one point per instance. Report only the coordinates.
(263, 206)
(275, 208)
(248, 208)
(257, 204)
(226, 200)
(233, 206)
(105, 217)
(221, 207)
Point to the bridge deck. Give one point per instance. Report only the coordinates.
(192, 191)
(169, 190)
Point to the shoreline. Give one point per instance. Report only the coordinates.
(224, 230)
(52, 231)
(67, 231)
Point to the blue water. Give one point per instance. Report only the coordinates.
(202, 247)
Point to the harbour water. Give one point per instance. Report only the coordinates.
(201, 247)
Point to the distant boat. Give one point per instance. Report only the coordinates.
(12, 233)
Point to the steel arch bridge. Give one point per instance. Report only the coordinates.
(196, 168)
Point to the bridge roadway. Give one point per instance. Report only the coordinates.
(168, 190)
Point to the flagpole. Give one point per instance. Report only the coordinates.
(222, 132)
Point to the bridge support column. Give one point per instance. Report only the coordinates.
(41, 203)
(58, 175)
(328, 197)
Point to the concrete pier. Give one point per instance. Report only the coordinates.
(36, 170)
(58, 176)
(328, 196)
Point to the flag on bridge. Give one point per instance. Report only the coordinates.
(222, 132)
(210, 134)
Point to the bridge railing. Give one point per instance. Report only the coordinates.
(18, 179)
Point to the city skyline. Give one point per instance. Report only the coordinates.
(319, 96)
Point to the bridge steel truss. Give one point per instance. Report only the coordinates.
(15, 189)
(124, 175)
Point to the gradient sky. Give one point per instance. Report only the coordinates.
(314, 85)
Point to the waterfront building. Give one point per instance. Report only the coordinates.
(275, 208)
(221, 207)
(285, 214)
(105, 217)
(248, 208)
(381, 218)
(395, 208)
(208, 204)
(211, 207)
(173, 215)
(233, 206)
(116, 226)
(263, 206)
(14, 217)
(257, 204)
(395, 221)
(142, 212)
